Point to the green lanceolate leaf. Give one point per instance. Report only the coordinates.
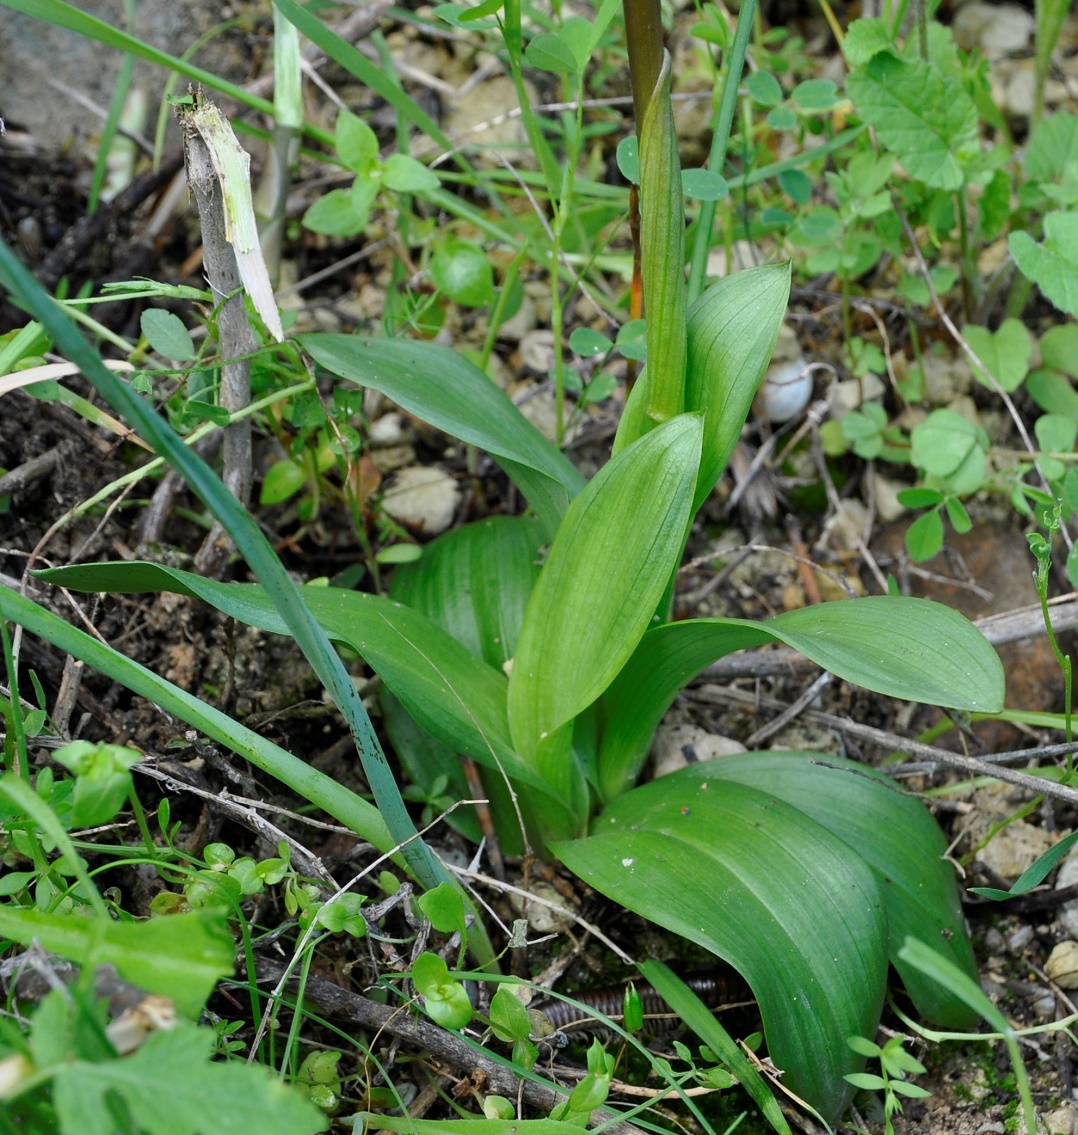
(768, 889)
(444, 389)
(452, 694)
(894, 834)
(733, 328)
(345, 806)
(924, 117)
(732, 331)
(604, 577)
(662, 252)
(905, 648)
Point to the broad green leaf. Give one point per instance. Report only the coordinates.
(405, 175)
(461, 269)
(1053, 265)
(474, 582)
(283, 479)
(926, 118)
(549, 52)
(733, 328)
(924, 537)
(815, 94)
(906, 648)
(1053, 392)
(1052, 145)
(452, 394)
(449, 692)
(588, 343)
(943, 441)
(597, 592)
(172, 1086)
(357, 144)
(334, 214)
(1055, 433)
(769, 890)
(1005, 353)
(764, 88)
(864, 39)
(167, 335)
(180, 956)
(1059, 348)
(704, 185)
(893, 833)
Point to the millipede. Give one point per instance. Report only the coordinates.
(721, 989)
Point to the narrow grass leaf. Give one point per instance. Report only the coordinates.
(703, 1022)
(322, 791)
(452, 694)
(604, 577)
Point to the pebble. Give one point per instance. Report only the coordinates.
(853, 393)
(1020, 939)
(523, 320)
(676, 746)
(784, 392)
(537, 352)
(424, 498)
(885, 495)
(1062, 964)
(387, 430)
(849, 527)
(996, 28)
(541, 918)
(1062, 1121)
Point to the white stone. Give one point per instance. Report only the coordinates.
(522, 321)
(541, 918)
(1062, 964)
(387, 430)
(668, 750)
(885, 497)
(849, 526)
(537, 351)
(424, 498)
(784, 392)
